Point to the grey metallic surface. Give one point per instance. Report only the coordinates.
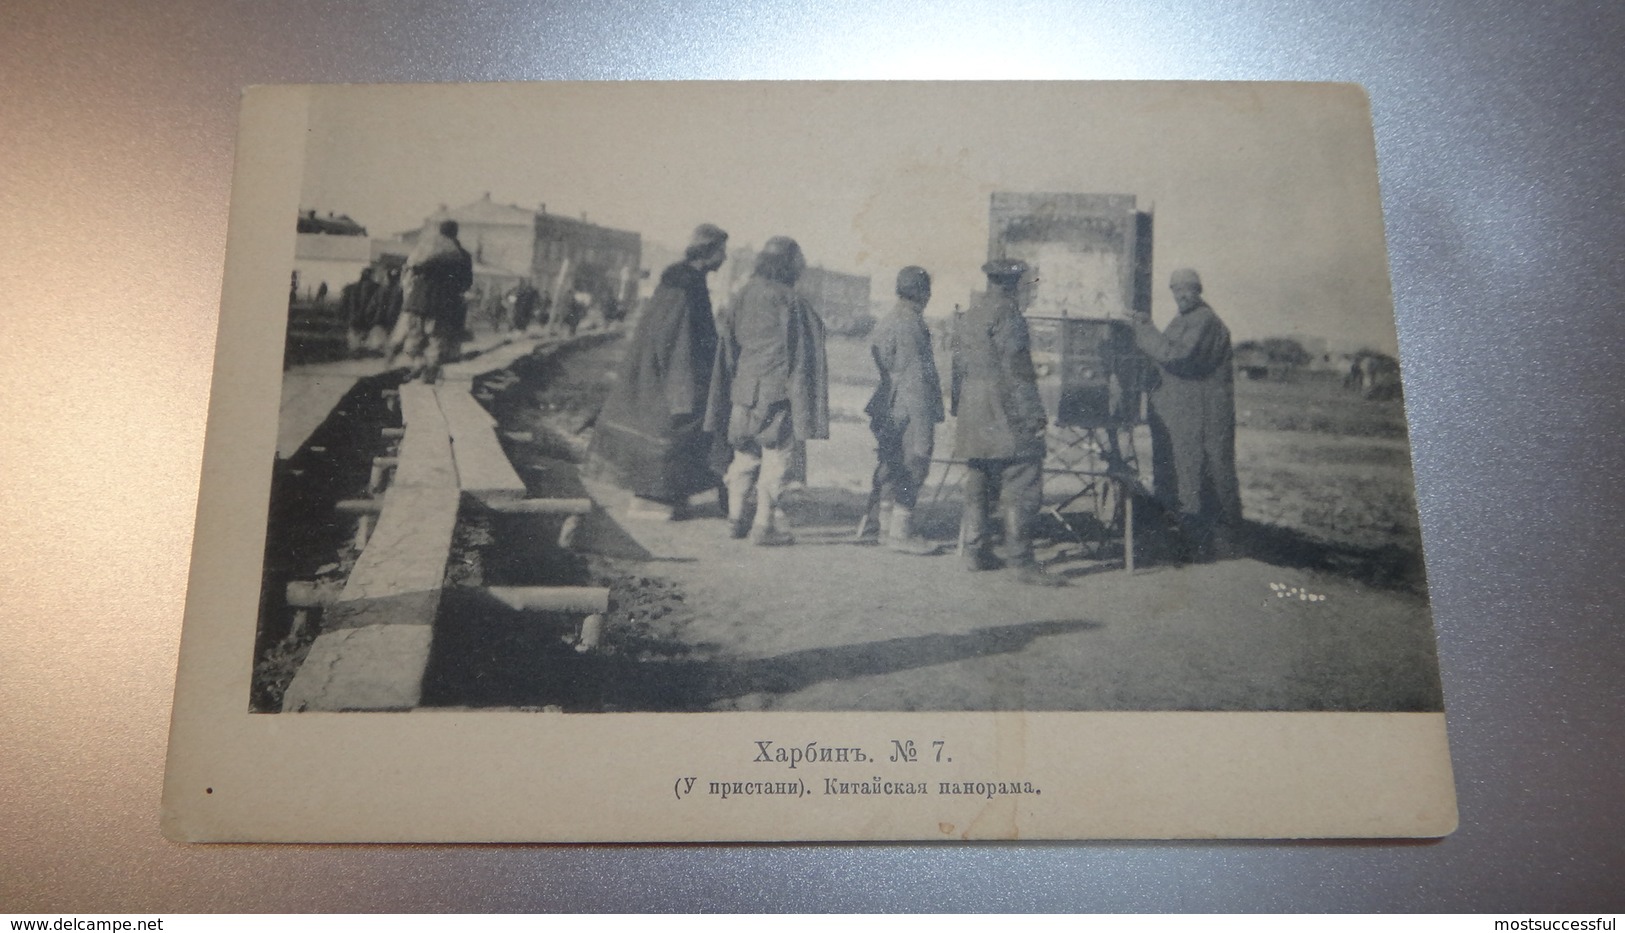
(1500, 132)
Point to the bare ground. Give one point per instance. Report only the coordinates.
(1328, 611)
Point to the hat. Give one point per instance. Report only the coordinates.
(1004, 269)
(913, 283)
(1186, 277)
(706, 239)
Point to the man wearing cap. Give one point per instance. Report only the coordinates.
(650, 435)
(1000, 426)
(1193, 417)
(903, 413)
(769, 388)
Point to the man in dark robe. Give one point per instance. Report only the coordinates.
(769, 388)
(522, 306)
(384, 310)
(1193, 418)
(904, 411)
(355, 300)
(650, 435)
(1000, 426)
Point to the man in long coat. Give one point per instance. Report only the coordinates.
(769, 388)
(434, 308)
(1000, 426)
(384, 310)
(1193, 416)
(355, 302)
(904, 411)
(522, 306)
(650, 435)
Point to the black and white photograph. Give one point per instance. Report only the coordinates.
(599, 403)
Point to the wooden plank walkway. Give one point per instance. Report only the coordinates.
(483, 468)
(310, 392)
(425, 455)
(376, 638)
(309, 395)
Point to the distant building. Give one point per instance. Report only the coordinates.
(1322, 360)
(332, 225)
(1278, 359)
(841, 299)
(331, 250)
(576, 256)
(499, 236)
(558, 254)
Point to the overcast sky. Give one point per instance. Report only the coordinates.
(1270, 191)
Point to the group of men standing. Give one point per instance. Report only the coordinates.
(703, 395)
(370, 310)
(726, 400)
(419, 321)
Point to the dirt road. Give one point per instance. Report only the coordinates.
(706, 622)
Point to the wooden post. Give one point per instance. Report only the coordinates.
(567, 531)
(1128, 530)
(552, 598)
(592, 633)
(375, 479)
(542, 506)
(307, 594)
(359, 506)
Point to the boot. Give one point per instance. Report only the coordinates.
(977, 546)
(1018, 542)
(1030, 574)
(902, 538)
(766, 531)
(643, 509)
(769, 536)
(1198, 535)
(1228, 542)
(739, 515)
(875, 524)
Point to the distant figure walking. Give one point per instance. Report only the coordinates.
(521, 301)
(384, 311)
(355, 299)
(434, 310)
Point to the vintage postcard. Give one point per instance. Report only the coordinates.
(807, 461)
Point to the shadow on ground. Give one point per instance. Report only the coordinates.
(487, 655)
(1387, 567)
(831, 515)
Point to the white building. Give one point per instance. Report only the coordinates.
(334, 259)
